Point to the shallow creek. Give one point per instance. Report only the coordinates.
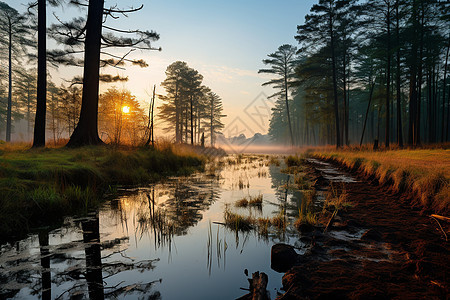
(165, 240)
(159, 240)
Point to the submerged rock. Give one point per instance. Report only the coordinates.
(282, 257)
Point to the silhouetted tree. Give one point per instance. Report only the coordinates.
(79, 36)
(15, 37)
(282, 63)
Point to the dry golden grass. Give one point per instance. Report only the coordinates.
(423, 173)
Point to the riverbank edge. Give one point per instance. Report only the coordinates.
(430, 194)
(39, 187)
(416, 257)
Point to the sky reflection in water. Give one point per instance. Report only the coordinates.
(159, 241)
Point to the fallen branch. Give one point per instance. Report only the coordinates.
(442, 229)
(331, 219)
(442, 218)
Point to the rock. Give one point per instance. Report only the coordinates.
(305, 227)
(283, 257)
(371, 235)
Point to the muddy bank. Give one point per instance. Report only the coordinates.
(378, 248)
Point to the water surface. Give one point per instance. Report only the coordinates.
(162, 241)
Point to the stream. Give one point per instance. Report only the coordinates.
(163, 240)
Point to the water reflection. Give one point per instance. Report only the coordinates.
(91, 240)
(45, 265)
(163, 231)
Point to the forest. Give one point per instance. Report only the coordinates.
(53, 113)
(126, 172)
(364, 71)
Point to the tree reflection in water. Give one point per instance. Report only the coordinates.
(91, 240)
(45, 265)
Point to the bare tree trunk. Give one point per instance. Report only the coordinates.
(8, 113)
(212, 121)
(388, 75)
(287, 102)
(41, 100)
(86, 132)
(336, 102)
(444, 88)
(192, 119)
(399, 107)
(413, 83)
(419, 83)
(367, 112)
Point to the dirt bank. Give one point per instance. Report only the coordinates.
(378, 248)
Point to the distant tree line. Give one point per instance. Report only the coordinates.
(190, 109)
(83, 42)
(364, 71)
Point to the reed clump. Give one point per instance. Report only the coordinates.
(306, 213)
(250, 201)
(238, 222)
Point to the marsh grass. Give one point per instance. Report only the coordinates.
(262, 225)
(336, 198)
(251, 201)
(302, 181)
(306, 213)
(238, 222)
(42, 185)
(274, 160)
(423, 174)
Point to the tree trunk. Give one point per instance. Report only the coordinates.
(413, 82)
(367, 112)
(177, 115)
(41, 100)
(419, 83)
(336, 102)
(192, 119)
(287, 102)
(388, 75)
(344, 79)
(28, 111)
(212, 121)
(86, 132)
(444, 88)
(399, 108)
(8, 113)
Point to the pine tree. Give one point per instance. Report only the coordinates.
(282, 63)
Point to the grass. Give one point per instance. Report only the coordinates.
(306, 215)
(336, 199)
(423, 174)
(302, 181)
(238, 222)
(253, 201)
(38, 186)
(294, 161)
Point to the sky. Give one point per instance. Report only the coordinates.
(225, 41)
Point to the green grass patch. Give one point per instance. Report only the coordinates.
(39, 186)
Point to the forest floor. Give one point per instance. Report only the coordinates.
(378, 247)
(41, 186)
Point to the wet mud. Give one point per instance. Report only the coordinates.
(377, 248)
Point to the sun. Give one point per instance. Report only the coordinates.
(125, 109)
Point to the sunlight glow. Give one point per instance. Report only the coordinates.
(125, 109)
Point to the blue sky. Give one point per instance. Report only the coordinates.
(224, 40)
